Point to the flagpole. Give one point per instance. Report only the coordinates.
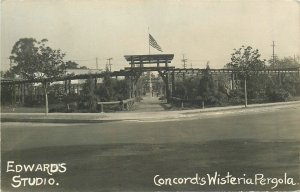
(149, 40)
(150, 83)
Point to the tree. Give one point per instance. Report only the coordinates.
(33, 59)
(286, 62)
(121, 90)
(285, 85)
(246, 61)
(106, 90)
(73, 65)
(206, 87)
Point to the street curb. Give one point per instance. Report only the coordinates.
(237, 107)
(57, 120)
(142, 116)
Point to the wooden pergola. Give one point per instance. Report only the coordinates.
(144, 63)
(138, 65)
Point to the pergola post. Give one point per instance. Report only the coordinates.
(232, 81)
(77, 87)
(167, 83)
(35, 93)
(279, 78)
(173, 82)
(95, 82)
(66, 87)
(20, 93)
(23, 92)
(13, 91)
(69, 86)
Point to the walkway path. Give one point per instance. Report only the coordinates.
(148, 104)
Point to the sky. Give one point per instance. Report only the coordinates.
(202, 30)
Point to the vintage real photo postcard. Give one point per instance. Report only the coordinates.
(150, 95)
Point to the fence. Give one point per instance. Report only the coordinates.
(179, 101)
(124, 104)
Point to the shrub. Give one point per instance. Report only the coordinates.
(278, 95)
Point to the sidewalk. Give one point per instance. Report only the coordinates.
(140, 116)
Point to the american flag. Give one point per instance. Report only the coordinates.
(153, 43)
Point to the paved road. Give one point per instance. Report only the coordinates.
(125, 156)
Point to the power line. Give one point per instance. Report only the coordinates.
(109, 64)
(273, 45)
(184, 61)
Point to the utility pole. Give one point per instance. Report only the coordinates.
(273, 56)
(184, 61)
(109, 64)
(97, 63)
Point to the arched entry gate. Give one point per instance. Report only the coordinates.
(145, 63)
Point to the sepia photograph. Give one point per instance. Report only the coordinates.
(150, 95)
